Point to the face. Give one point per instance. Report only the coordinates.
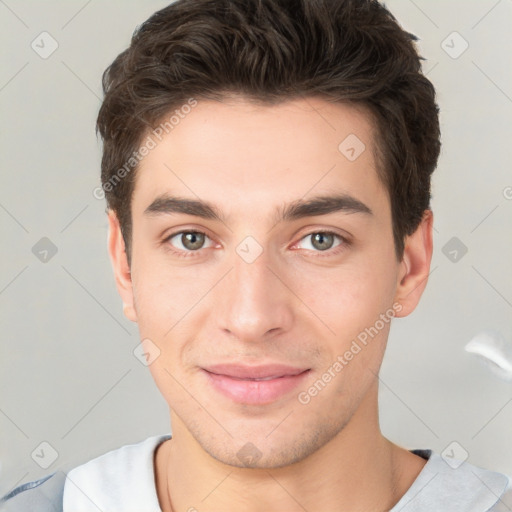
(262, 253)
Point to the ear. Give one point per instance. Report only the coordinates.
(119, 260)
(415, 265)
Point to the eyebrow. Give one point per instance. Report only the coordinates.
(319, 205)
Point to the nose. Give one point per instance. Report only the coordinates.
(254, 302)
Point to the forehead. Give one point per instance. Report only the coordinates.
(236, 153)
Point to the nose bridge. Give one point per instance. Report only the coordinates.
(254, 301)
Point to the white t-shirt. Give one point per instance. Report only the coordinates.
(123, 480)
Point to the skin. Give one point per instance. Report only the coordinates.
(295, 304)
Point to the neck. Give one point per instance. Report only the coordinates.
(358, 469)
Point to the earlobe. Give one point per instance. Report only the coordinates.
(415, 265)
(120, 266)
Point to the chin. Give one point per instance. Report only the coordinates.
(266, 451)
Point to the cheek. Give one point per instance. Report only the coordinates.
(164, 295)
(167, 301)
(349, 298)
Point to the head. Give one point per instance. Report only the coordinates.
(277, 131)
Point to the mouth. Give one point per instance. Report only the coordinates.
(254, 385)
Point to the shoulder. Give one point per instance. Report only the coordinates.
(504, 503)
(43, 495)
(122, 479)
(451, 485)
(118, 476)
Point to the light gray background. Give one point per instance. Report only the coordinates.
(68, 373)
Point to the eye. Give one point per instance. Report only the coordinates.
(322, 241)
(188, 241)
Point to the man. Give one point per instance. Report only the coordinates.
(266, 165)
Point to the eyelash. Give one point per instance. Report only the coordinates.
(345, 242)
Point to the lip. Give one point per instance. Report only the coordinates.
(256, 385)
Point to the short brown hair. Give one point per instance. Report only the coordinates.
(272, 51)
